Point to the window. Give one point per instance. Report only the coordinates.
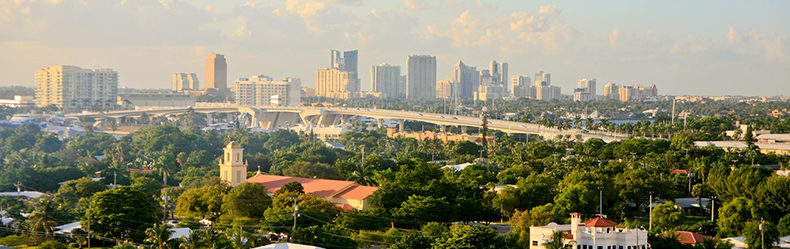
(600, 247)
(534, 243)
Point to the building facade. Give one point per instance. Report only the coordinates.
(233, 167)
(421, 77)
(75, 89)
(263, 91)
(216, 72)
(467, 78)
(585, 90)
(335, 83)
(611, 91)
(445, 89)
(520, 86)
(386, 79)
(185, 81)
(597, 233)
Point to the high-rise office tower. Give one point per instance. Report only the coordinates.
(261, 90)
(185, 81)
(542, 79)
(467, 79)
(421, 77)
(345, 61)
(73, 89)
(335, 83)
(385, 79)
(498, 71)
(217, 72)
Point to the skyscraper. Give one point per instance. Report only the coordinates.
(385, 79)
(467, 79)
(585, 90)
(498, 72)
(216, 72)
(345, 61)
(421, 77)
(73, 89)
(542, 79)
(185, 81)
(588, 84)
(611, 91)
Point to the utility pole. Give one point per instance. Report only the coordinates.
(762, 233)
(650, 227)
(90, 206)
(673, 111)
(712, 208)
(114, 179)
(600, 201)
(296, 213)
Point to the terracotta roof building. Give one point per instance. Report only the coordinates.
(593, 234)
(690, 237)
(347, 195)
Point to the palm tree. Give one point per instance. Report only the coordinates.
(556, 241)
(44, 217)
(158, 235)
(193, 241)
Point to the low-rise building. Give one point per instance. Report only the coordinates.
(347, 195)
(18, 101)
(597, 233)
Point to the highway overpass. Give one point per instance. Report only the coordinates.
(273, 117)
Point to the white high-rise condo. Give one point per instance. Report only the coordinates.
(585, 90)
(262, 91)
(421, 77)
(74, 89)
(386, 79)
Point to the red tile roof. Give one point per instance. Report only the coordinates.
(322, 188)
(679, 171)
(600, 222)
(144, 171)
(690, 237)
(357, 192)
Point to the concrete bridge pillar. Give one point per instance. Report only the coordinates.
(401, 125)
(380, 123)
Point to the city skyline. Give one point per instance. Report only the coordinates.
(732, 48)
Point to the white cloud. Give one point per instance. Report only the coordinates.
(416, 4)
(241, 31)
(613, 37)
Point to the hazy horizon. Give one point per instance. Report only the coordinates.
(696, 48)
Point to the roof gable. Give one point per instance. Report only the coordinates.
(600, 222)
(322, 188)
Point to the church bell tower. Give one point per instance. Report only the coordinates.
(233, 168)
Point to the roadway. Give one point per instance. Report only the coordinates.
(434, 118)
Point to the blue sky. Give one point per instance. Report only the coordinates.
(684, 47)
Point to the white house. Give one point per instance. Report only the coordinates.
(597, 233)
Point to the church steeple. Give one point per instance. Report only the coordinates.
(233, 168)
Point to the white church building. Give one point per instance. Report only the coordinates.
(597, 233)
